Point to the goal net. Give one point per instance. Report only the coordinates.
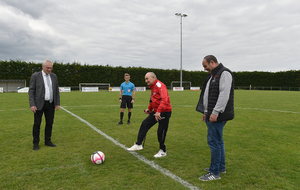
(100, 86)
(185, 84)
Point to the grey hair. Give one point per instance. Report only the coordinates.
(47, 60)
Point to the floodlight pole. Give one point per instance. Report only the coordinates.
(181, 15)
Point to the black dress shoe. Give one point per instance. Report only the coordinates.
(49, 143)
(36, 147)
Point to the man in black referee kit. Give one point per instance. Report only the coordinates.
(126, 97)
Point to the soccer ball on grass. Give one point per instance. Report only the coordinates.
(98, 157)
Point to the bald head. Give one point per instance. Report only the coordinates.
(150, 78)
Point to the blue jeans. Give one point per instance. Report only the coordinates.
(216, 145)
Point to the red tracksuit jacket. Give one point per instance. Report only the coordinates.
(160, 100)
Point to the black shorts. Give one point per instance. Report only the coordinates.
(126, 100)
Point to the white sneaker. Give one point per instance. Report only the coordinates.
(160, 154)
(135, 147)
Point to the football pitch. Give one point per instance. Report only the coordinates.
(262, 144)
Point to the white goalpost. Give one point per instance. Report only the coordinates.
(93, 87)
(185, 84)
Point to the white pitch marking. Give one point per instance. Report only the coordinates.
(258, 109)
(115, 105)
(21, 109)
(266, 110)
(140, 157)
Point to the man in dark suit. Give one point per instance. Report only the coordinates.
(43, 98)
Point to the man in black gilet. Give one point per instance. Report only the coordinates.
(216, 104)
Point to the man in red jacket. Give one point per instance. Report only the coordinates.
(160, 111)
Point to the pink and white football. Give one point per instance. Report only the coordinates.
(98, 157)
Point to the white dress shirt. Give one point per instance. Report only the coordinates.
(47, 91)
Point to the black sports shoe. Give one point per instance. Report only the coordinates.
(36, 147)
(49, 143)
(120, 123)
(128, 122)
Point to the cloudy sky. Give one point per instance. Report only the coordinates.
(248, 35)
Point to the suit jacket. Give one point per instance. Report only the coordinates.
(37, 90)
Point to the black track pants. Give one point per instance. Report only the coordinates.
(161, 131)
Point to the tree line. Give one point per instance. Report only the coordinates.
(71, 74)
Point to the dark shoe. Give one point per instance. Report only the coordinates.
(209, 176)
(120, 123)
(49, 143)
(128, 122)
(36, 147)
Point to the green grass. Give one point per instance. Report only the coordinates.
(262, 144)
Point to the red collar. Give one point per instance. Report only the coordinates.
(153, 83)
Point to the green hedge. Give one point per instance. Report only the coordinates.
(75, 73)
(285, 79)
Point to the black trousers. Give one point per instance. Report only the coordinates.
(48, 110)
(162, 129)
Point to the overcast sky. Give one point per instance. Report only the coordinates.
(245, 35)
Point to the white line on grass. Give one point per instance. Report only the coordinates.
(17, 109)
(142, 158)
(266, 110)
(113, 105)
(258, 109)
